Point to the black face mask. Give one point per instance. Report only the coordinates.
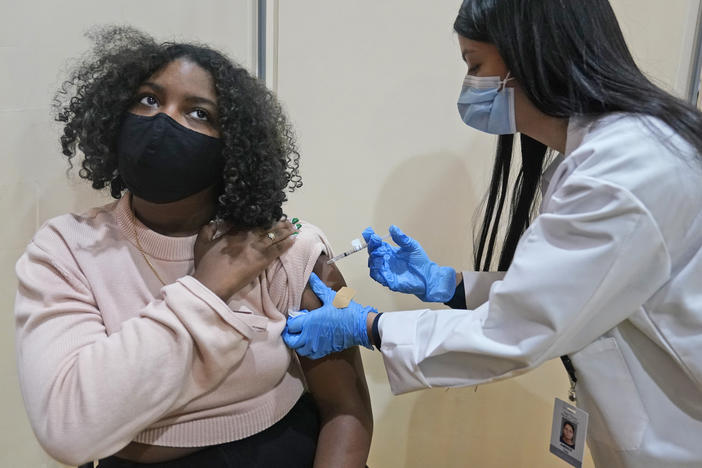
(162, 161)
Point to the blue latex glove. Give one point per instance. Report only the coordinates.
(407, 268)
(327, 330)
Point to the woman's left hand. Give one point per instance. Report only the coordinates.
(227, 263)
(316, 333)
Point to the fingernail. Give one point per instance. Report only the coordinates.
(294, 220)
(295, 233)
(298, 226)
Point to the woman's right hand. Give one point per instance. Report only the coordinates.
(407, 268)
(228, 263)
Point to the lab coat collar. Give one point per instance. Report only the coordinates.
(578, 127)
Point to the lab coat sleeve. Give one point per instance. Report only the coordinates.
(589, 262)
(477, 285)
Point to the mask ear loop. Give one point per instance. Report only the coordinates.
(117, 186)
(503, 83)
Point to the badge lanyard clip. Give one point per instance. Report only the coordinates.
(571, 375)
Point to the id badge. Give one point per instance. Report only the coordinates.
(568, 433)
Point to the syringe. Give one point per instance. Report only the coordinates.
(356, 246)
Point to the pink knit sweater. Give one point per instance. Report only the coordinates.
(106, 355)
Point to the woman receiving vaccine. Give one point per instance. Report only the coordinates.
(148, 329)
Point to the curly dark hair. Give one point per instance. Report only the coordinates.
(260, 156)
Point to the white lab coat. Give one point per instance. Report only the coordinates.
(610, 273)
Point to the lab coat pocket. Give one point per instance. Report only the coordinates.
(607, 391)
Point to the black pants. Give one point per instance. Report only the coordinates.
(290, 443)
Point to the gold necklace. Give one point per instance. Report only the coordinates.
(141, 250)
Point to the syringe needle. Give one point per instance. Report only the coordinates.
(352, 251)
(345, 254)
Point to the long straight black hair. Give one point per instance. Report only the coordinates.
(570, 59)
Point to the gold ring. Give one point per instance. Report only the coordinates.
(271, 235)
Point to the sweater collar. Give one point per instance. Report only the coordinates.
(152, 243)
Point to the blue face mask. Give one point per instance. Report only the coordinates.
(487, 104)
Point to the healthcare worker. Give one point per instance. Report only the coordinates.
(608, 274)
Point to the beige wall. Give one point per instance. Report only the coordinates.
(371, 87)
(660, 35)
(36, 39)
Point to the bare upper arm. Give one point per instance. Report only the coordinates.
(329, 274)
(337, 380)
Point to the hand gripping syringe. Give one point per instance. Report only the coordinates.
(356, 246)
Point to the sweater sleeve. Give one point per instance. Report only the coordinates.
(287, 283)
(88, 394)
